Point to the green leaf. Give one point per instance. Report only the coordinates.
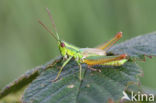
(96, 87)
(148, 90)
(20, 82)
(14, 97)
(137, 47)
(25, 79)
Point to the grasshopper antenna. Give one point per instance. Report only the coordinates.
(44, 26)
(53, 23)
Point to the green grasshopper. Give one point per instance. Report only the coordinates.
(89, 56)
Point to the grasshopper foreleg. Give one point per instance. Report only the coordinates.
(64, 64)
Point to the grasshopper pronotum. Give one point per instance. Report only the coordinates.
(89, 56)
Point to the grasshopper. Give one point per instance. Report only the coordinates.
(89, 56)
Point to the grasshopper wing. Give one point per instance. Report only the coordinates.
(92, 52)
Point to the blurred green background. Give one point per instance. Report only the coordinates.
(24, 44)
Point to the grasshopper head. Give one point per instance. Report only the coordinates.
(62, 48)
(62, 44)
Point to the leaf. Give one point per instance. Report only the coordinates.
(148, 90)
(13, 97)
(96, 87)
(25, 79)
(137, 47)
(19, 83)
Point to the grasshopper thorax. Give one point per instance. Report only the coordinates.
(67, 50)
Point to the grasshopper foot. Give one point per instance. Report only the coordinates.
(54, 80)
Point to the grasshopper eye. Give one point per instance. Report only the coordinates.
(62, 45)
